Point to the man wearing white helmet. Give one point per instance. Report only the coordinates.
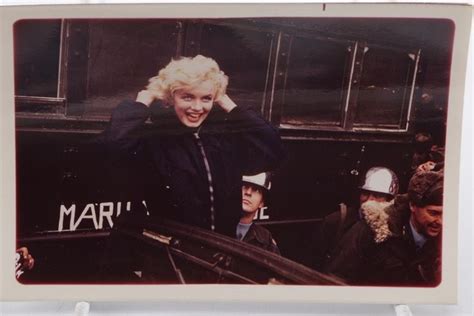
(380, 184)
(254, 189)
(379, 187)
(398, 244)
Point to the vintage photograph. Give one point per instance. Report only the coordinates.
(224, 153)
(305, 151)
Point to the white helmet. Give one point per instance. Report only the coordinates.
(261, 179)
(382, 180)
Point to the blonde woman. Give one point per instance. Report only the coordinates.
(190, 160)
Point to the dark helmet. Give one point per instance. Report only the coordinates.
(426, 188)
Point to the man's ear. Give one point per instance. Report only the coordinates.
(413, 208)
(262, 204)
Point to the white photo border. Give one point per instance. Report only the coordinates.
(445, 293)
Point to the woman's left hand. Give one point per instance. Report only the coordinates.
(226, 103)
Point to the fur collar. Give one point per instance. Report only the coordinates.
(386, 219)
(377, 218)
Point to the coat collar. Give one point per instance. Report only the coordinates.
(376, 217)
(255, 234)
(399, 215)
(166, 122)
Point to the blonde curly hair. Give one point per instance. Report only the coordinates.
(184, 72)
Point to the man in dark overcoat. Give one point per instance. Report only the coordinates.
(380, 185)
(396, 244)
(254, 190)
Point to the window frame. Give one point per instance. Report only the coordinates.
(192, 46)
(273, 100)
(283, 69)
(351, 94)
(410, 88)
(56, 104)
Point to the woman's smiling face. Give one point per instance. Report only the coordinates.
(192, 104)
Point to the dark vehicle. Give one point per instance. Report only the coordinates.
(173, 253)
(346, 95)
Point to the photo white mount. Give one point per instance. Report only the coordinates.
(82, 309)
(402, 310)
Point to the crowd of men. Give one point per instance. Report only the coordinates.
(389, 238)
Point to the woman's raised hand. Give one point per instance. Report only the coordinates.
(145, 97)
(226, 103)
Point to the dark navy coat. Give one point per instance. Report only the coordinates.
(160, 161)
(359, 260)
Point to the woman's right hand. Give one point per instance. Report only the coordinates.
(145, 97)
(226, 103)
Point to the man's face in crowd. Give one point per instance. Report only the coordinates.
(372, 196)
(428, 220)
(252, 197)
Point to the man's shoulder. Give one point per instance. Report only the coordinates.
(261, 237)
(334, 218)
(260, 234)
(260, 231)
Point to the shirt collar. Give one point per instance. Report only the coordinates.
(242, 230)
(419, 239)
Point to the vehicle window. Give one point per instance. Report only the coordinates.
(314, 91)
(243, 54)
(299, 80)
(36, 57)
(385, 88)
(122, 56)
